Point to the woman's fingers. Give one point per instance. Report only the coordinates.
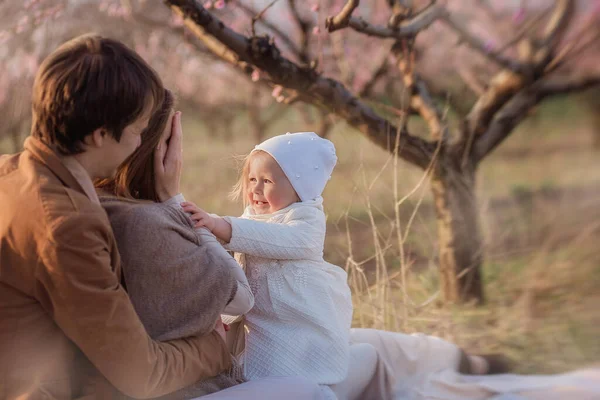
(161, 149)
(168, 169)
(159, 157)
(175, 150)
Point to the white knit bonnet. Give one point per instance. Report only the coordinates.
(305, 158)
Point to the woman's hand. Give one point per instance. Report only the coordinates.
(199, 216)
(168, 160)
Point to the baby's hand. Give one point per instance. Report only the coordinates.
(199, 216)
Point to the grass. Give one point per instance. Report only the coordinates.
(539, 197)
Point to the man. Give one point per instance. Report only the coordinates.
(67, 327)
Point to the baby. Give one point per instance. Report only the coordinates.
(300, 323)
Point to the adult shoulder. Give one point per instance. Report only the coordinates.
(146, 218)
(67, 211)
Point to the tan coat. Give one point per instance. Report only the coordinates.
(67, 327)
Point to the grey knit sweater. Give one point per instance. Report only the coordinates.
(178, 279)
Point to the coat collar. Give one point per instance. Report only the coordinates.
(67, 169)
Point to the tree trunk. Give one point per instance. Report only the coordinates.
(459, 232)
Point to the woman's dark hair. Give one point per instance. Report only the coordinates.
(135, 178)
(88, 83)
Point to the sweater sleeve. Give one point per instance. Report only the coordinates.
(243, 300)
(175, 201)
(300, 237)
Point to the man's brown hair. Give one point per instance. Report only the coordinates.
(135, 178)
(88, 83)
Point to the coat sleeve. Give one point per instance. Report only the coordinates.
(79, 288)
(300, 237)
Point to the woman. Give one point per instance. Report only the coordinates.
(179, 279)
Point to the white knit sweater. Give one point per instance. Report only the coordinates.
(301, 319)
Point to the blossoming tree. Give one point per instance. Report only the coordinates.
(528, 65)
(471, 70)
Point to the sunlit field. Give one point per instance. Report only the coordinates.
(539, 196)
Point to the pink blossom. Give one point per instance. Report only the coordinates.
(176, 20)
(22, 24)
(489, 45)
(4, 35)
(220, 4)
(30, 3)
(316, 30)
(314, 8)
(277, 91)
(31, 63)
(104, 6)
(113, 10)
(255, 75)
(519, 15)
(208, 5)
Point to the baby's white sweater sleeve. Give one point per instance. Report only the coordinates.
(300, 237)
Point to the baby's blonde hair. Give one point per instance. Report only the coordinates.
(239, 189)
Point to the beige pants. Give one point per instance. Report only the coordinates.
(382, 362)
(421, 367)
(368, 377)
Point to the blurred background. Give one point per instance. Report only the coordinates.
(538, 193)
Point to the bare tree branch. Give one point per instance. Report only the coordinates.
(260, 52)
(527, 28)
(260, 15)
(427, 108)
(379, 72)
(577, 45)
(568, 85)
(560, 19)
(325, 124)
(518, 108)
(502, 87)
(273, 28)
(468, 76)
(507, 84)
(420, 99)
(343, 18)
(304, 27)
(405, 29)
(515, 111)
(478, 45)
